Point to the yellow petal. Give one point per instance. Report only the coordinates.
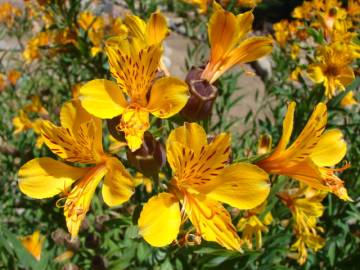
(102, 98)
(167, 97)
(70, 147)
(250, 50)
(309, 136)
(212, 221)
(134, 123)
(45, 177)
(244, 22)
(315, 73)
(330, 149)
(240, 185)
(135, 70)
(223, 33)
(156, 28)
(160, 220)
(346, 76)
(288, 124)
(118, 185)
(78, 201)
(191, 135)
(136, 26)
(73, 115)
(33, 243)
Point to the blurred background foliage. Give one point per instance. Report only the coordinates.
(52, 53)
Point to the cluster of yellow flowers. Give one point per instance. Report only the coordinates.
(336, 49)
(53, 41)
(204, 4)
(203, 174)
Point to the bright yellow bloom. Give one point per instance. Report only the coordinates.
(13, 76)
(94, 26)
(252, 226)
(305, 206)
(79, 139)
(22, 122)
(349, 99)
(32, 49)
(8, 13)
(202, 4)
(201, 181)
(294, 75)
(281, 32)
(332, 69)
(229, 45)
(134, 67)
(312, 153)
(33, 243)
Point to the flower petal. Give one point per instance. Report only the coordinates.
(71, 147)
(223, 33)
(73, 115)
(167, 97)
(160, 220)
(241, 185)
(212, 221)
(78, 201)
(156, 28)
(191, 135)
(288, 125)
(330, 149)
(309, 136)
(249, 50)
(136, 26)
(346, 76)
(45, 177)
(315, 73)
(118, 185)
(102, 98)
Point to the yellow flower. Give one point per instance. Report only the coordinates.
(282, 33)
(202, 4)
(294, 75)
(305, 206)
(33, 243)
(295, 49)
(134, 67)
(349, 99)
(201, 181)
(332, 69)
(8, 14)
(79, 139)
(13, 76)
(32, 49)
(228, 43)
(94, 26)
(312, 153)
(21, 122)
(35, 106)
(252, 226)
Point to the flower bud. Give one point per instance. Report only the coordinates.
(202, 97)
(149, 158)
(114, 129)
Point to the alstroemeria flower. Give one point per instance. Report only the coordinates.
(333, 68)
(201, 181)
(306, 207)
(134, 67)
(312, 153)
(229, 45)
(79, 139)
(33, 243)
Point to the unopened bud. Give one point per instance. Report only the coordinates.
(150, 157)
(202, 97)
